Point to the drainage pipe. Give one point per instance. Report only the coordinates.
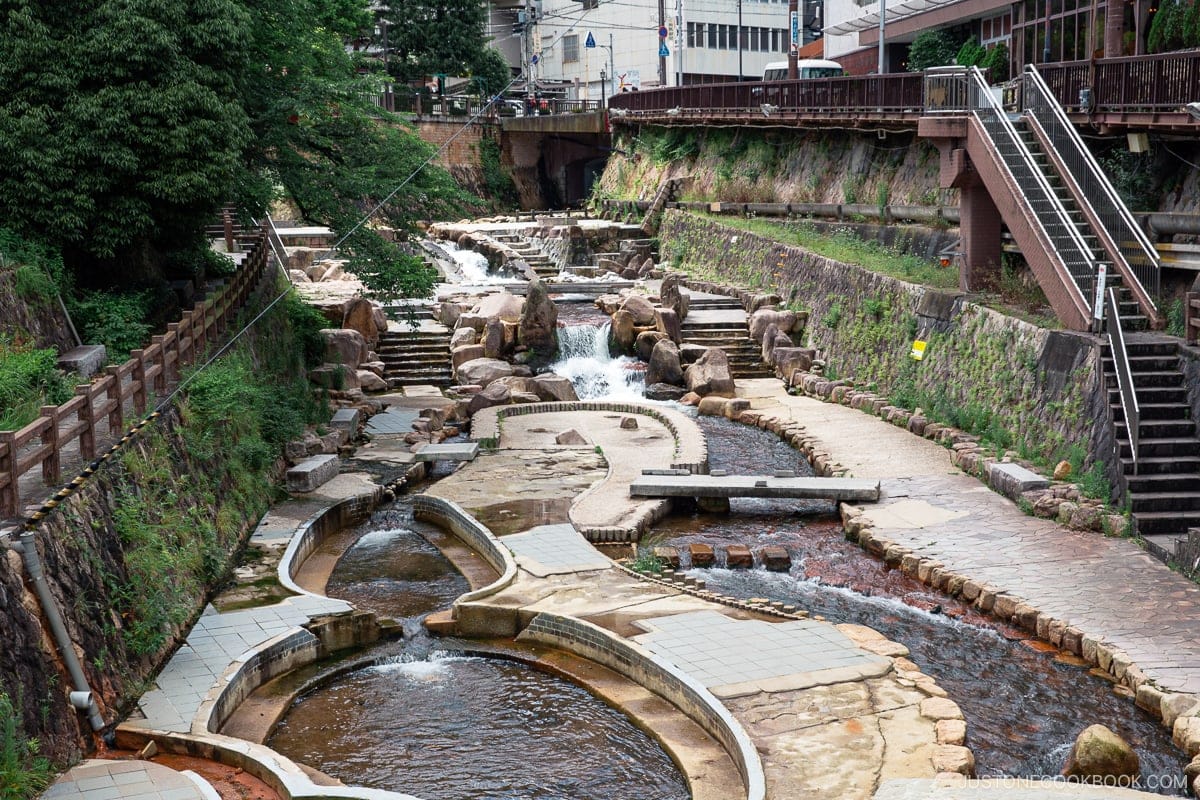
(82, 698)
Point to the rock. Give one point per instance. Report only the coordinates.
(644, 344)
(623, 331)
(667, 322)
(691, 353)
(664, 364)
(85, 360)
(629, 423)
(768, 342)
(311, 473)
(493, 338)
(951, 731)
(738, 555)
(638, 307)
(1062, 470)
(525, 397)
(775, 558)
(539, 320)
(761, 301)
(473, 321)
(936, 708)
(690, 399)
(571, 437)
(608, 303)
(553, 388)
(370, 382)
(448, 314)
(702, 554)
(664, 391)
(669, 296)
(1086, 518)
(1174, 706)
(953, 758)
(646, 267)
(461, 355)
(515, 383)
(298, 276)
(761, 319)
(734, 408)
(482, 371)
(713, 406)
(1100, 753)
(336, 377)
(710, 375)
(344, 347)
(500, 305)
(463, 337)
(360, 316)
(378, 367)
(495, 394)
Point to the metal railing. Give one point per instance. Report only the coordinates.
(1134, 84)
(1120, 357)
(1141, 263)
(957, 89)
(894, 92)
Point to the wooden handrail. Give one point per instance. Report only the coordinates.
(147, 371)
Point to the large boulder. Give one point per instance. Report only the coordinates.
(338, 377)
(539, 320)
(465, 353)
(345, 347)
(483, 371)
(503, 304)
(664, 364)
(669, 296)
(608, 303)
(552, 388)
(667, 321)
(360, 316)
(691, 353)
(475, 322)
(644, 344)
(710, 375)
(515, 383)
(768, 341)
(789, 360)
(639, 308)
(448, 314)
(493, 338)
(664, 391)
(493, 395)
(463, 337)
(624, 331)
(1100, 753)
(759, 320)
(370, 382)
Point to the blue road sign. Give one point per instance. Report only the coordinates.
(663, 52)
(590, 41)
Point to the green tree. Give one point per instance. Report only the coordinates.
(435, 36)
(490, 72)
(931, 48)
(971, 54)
(120, 124)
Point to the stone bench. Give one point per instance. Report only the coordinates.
(453, 451)
(85, 360)
(312, 473)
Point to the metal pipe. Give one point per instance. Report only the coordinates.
(82, 698)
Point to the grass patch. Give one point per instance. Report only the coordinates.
(29, 379)
(23, 773)
(844, 245)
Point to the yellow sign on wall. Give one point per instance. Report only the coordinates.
(918, 350)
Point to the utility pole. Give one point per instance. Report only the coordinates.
(662, 62)
(612, 68)
(882, 46)
(679, 42)
(793, 44)
(739, 40)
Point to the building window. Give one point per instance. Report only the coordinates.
(722, 37)
(691, 35)
(570, 49)
(712, 35)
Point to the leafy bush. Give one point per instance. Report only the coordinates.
(996, 63)
(931, 49)
(1169, 29)
(29, 379)
(498, 185)
(23, 773)
(971, 54)
(306, 323)
(118, 320)
(38, 270)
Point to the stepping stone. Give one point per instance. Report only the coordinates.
(775, 558)
(667, 555)
(702, 554)
(453, 451)
(85, 360)
(346, 419)
(738, 555)
(312, 473)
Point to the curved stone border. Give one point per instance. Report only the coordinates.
(691, 449)
(314, 530)
(451, 515)
(659, 676)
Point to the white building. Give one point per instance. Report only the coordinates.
(702, 41)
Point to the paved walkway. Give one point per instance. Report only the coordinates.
(129, 780)
(1108, 588)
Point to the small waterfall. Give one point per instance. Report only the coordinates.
(473, 266)
(584, 360)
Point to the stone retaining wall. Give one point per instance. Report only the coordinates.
(659, 676)
(1040, 392)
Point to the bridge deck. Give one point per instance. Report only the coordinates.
(847, 489)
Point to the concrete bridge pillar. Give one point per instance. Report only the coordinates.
(980, 220)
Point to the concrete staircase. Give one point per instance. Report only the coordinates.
(1164, 494)
(715, 321)
(415, 356)
(532, 254)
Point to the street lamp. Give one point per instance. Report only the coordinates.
(612, 71)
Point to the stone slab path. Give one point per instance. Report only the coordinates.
(1107, 587)
(99, 779)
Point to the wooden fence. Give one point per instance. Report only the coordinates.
(146, 374)
(1191, 317)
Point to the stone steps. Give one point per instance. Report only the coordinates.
(415, 358)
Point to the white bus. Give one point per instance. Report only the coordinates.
(805, 68)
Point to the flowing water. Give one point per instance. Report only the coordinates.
(474, 266)
(585, 359)
(428, 719)
(1024, 706)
